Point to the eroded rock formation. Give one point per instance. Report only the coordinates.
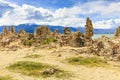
(5, 32)
(88, 29)
(42, 35)
(12, 31)
(117, 32)
(55, 33)
(42, 31)
(74, 39)
(88, 32)
(106, 47)
(66, 31)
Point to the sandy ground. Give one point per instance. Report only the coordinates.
(51, 57)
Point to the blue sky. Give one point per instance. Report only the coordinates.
(46, 3)
(50, 3)
(103, 13)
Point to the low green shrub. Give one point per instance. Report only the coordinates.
(28, 42)
(49, 40)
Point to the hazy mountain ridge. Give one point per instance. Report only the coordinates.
(31, 27)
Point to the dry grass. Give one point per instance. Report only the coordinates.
(88, 61)
(5, 78)
(33, 56)
(35, 69)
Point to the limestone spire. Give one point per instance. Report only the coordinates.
(88, 29)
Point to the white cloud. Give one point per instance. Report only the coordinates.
(105, 9)
(1, 0)
(111, 23)
(25, 14)
(63, 16)
(8, 3)
(30, 14)
(103, 24)
(67, 12)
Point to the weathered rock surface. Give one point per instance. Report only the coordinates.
(55, 33)
(43, 36)
(42, 31)
(117, 32)
(66, 31)
(88, 29)
(5, 32)
(106, 47)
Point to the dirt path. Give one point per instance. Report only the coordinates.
(79, 72)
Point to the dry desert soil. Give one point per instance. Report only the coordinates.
(56, 57)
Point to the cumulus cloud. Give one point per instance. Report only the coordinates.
(4, 8)
(30, 14)
(104, 24)
(13, 14)
(25, 14)
(104, 8)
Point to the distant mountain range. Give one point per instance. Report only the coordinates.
(31, 27)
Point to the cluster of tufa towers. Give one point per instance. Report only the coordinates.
(43, 36)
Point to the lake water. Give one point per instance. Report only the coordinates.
(99, 35)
